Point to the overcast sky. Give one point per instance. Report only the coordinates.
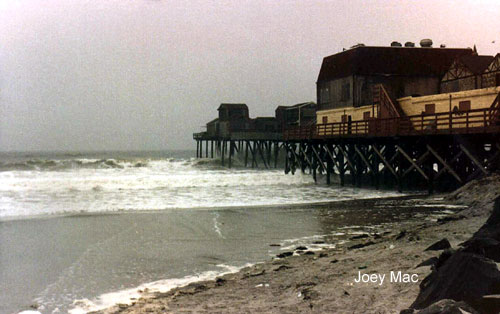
(143, 74)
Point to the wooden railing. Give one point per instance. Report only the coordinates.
(382, 100)
(495, 110)
(468, 122)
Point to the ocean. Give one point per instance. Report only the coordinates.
(83, 231)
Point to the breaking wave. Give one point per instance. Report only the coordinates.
(64, 164)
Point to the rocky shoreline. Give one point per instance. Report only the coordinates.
(414, 274)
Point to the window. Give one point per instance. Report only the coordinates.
(464, 106)
(346, 92)
(366, 115)
(430, 109)
(325, 119)
(344, 118)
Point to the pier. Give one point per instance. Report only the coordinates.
(403, 117)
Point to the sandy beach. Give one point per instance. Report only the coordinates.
(326, 281)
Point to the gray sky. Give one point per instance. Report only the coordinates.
(143, 74)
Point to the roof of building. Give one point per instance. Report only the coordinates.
(233, 106)
(304, 104)
(407, 61)
(213, 121)
(476, 64)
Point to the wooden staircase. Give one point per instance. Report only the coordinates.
(494, 112)
(385, 105)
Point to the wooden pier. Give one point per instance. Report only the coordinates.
(260, 149)
(442, 150)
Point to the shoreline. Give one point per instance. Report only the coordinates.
(310, 281)
(319, 204)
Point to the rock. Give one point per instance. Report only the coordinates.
(448, 306)
(361, 236)
(274, 244)
(360, 245)
(333, 261)
(444, 257)
(308, 253)
(220, 281)
(256, 273)
(487, 247)
(319, 242)
(309, 294)
(300, 248)
(440, 245)
(362, 267)
(284, 254)
(490, 304)
(463, 277)
(491, 229)
(282, 267)
(401, 234)
(450, 218)
(407, 311)
(428, 262)
(323, 254)
(122, 306)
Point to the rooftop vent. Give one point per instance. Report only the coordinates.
(426, 43)
(409, 44)
(442, 46)
(396, 44)
(358, 45)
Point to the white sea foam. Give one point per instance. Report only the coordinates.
(127, 296)
(104, 185)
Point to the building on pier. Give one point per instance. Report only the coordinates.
(465, 73)
(381, 117)
(347, 79)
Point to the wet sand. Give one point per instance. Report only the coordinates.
(321, 281)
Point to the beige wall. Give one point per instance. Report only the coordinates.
(415, 106)
(335, 115)
(479, 98)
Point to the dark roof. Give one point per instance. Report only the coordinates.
(407, 61)
(233, 106)
(298, 105)
(476, 64)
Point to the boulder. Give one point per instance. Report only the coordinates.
(428, 262)
(487, 247)
(360, 245)
(448, 306)
(463, 277)
(491, 229)
(440, 245)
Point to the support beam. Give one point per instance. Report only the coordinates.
(474, 160)
(419, 161)
(318, 158)
(363, 158)
(305, 156)
(441, 160)
(412, 162)
(385, 162)
(246, 153)
(259, 146)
